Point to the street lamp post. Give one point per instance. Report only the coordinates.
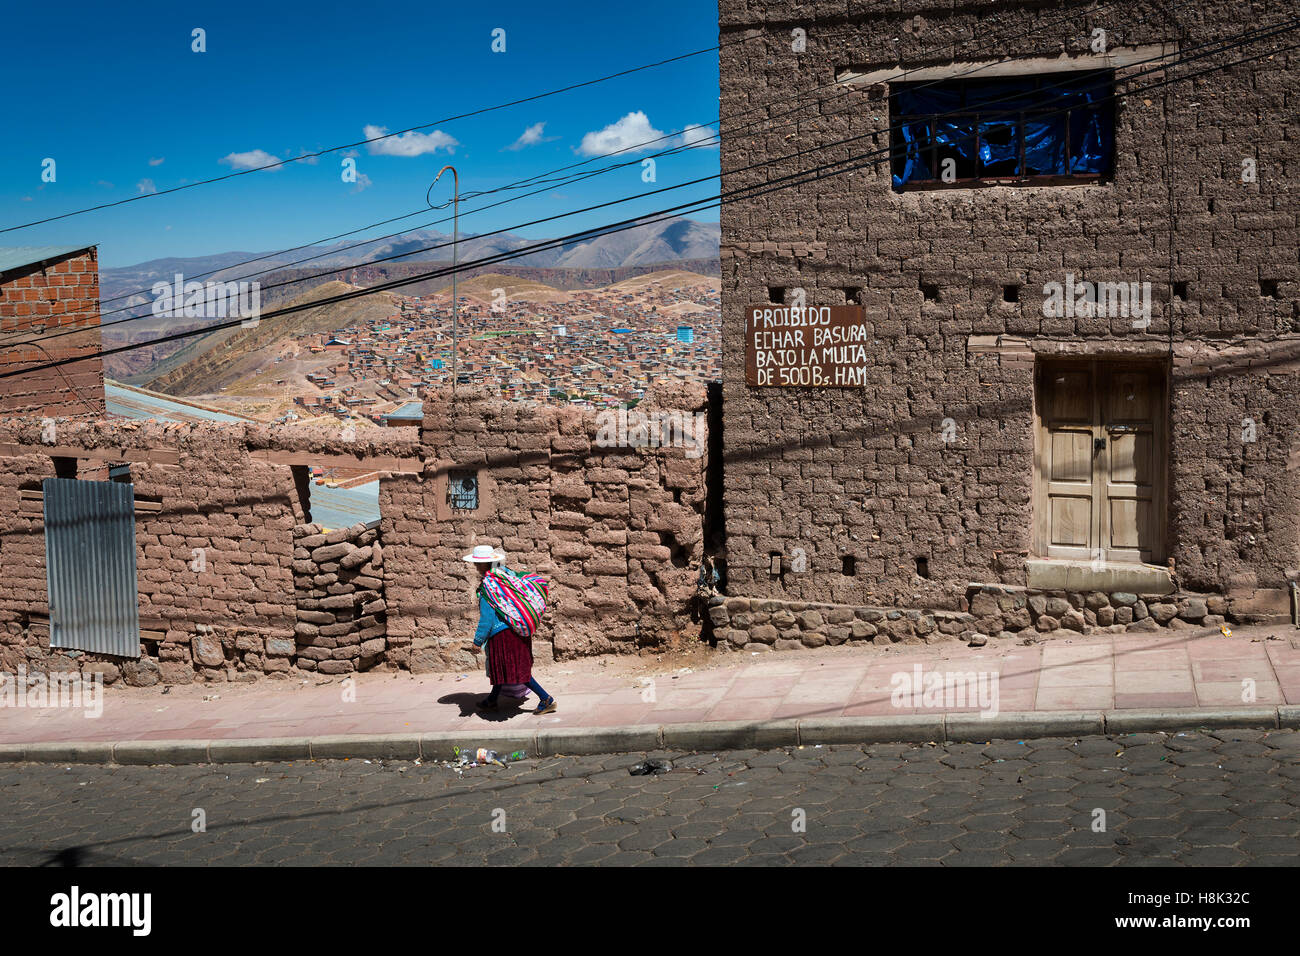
(455, 241)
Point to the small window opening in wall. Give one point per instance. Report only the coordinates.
(851, 295)
(1011, 293)
(848, 565)
(776, 293)
(1180, 291)
(923, 567)
(775, 567)
(65, 467)
(930, 291)
(943, 489)
(462, 490)
(119, 473)
(1268, 288)
(302, 478)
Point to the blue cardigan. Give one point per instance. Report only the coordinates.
(489, 622)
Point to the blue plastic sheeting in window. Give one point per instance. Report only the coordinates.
(1051, 114)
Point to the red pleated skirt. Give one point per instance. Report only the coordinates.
(509, 658)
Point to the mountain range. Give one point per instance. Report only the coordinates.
(671, 240)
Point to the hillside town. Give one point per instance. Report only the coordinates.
(597, 348)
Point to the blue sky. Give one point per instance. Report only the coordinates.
(114, 94)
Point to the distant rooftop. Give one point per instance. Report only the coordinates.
(142, 404)
(343, 507)
(410, 410)
(15, 257)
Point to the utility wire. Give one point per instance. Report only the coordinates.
(801, 96)
(743, 193)
(409, 129)
(364, 142)
(1161, 60)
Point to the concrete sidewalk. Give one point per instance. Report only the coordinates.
(1091, 683)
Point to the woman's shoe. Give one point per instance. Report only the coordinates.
(546, 706)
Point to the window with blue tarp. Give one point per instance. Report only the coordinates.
(1036, 129)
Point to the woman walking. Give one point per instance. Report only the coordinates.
(509, 655)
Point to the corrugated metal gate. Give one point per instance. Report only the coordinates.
(90, 565)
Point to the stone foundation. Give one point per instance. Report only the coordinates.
(756, 624)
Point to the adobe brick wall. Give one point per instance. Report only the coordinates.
(231, 616)
(48, 297)
(338, 579)
(618, 531)
(864, 472)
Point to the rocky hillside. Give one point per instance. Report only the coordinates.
(210, 367)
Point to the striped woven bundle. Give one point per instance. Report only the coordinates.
(520, 599)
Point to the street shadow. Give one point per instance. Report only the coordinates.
(468, 704)
(65, 857)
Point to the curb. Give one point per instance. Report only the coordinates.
(709, 735)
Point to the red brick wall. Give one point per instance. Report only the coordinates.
(53, 296)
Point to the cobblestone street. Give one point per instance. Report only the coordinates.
(1213, 798)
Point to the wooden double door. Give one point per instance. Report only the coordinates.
(1100, 460)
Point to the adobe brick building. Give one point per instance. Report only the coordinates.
(201, 560)
(1016, 450)
(46, 290)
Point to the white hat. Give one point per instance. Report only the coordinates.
(483, 554)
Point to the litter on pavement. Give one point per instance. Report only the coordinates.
(481, 757)
(650, 766)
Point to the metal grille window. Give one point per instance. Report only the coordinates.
(1045, 130)
(462, 490)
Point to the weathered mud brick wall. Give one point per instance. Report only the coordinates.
(215, 520)
(617, 530)
(858, 486)
(57, 295)
(338, 578)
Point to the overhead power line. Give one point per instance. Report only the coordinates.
(743, 193)
(410, 129)
(802, 98)
(1161, 61)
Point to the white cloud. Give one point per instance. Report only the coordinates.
(408, 144)
(632, 130)
(145, 186)
(250, 160)
(531, 137)
(699, 137)
(157, 162)
(363, 182)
